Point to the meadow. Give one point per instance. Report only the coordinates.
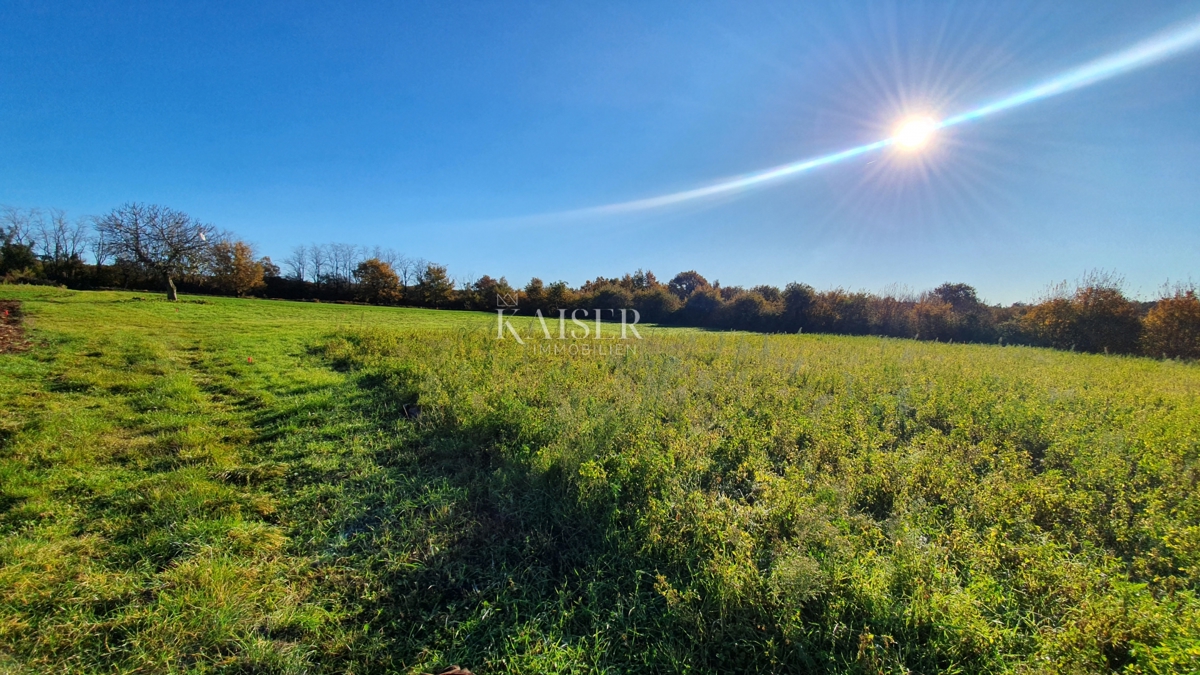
(240, 486)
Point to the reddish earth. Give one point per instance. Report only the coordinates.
(12, 334)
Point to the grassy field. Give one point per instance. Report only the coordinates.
(232, 486)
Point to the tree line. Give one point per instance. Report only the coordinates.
(153, 247)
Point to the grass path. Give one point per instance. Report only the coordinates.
(147, 453)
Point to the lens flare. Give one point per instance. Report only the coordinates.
(916, 132)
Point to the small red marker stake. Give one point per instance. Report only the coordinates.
(249, 359)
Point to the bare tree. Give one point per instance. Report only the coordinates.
(61, 242)
(15, 225)
(162, 241)
(408, 269)
(387, 255)
(339, 257)
(343, 259)
(349, 256)
(318, 257)
(298, 263)
(98, 244)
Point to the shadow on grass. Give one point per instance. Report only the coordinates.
(452, 550)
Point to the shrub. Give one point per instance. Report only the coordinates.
(769, 293)
(487, 293)
(1172, 328)
(747, 311)
(16, 258)
(1106, 321)
(798, 300)
(1096, 318)
(837, 311)
(611, 297)
(959, 296)
(655, 304)
(892, 316)
(701, 307)
(728, 293)
(933, 319)
(1051, 323)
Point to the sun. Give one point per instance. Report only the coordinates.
(915, 132)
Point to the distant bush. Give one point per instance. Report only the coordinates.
(1172, 327)
(17, 258)
(933, 319)
(893, 316)
(700, 308)
(798, 301)
(611, 297)
(769, 293)
(1051, 323)
(748, 311)
(1097, 317)
(655, 304)
(838, 311)
(960, 297)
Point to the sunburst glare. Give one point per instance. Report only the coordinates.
(915, 132)
(918, 129)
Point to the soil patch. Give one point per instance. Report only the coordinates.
(12, 332)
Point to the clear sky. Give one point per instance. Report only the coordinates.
(434, 128)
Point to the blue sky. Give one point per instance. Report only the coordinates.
(434, 128)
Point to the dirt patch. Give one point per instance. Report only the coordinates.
(12, 333)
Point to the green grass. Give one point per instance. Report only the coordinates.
(711, 502)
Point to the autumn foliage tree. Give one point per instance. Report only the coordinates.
(1172, 328)
(611, 296)
(747, 311)
(234, 269)
(933, 318)
(655, 303)
(1106, 321)
(686, 283)
(1097, 317)
(559, 296)
(487, 293)
(378, 283)
(434, 286)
